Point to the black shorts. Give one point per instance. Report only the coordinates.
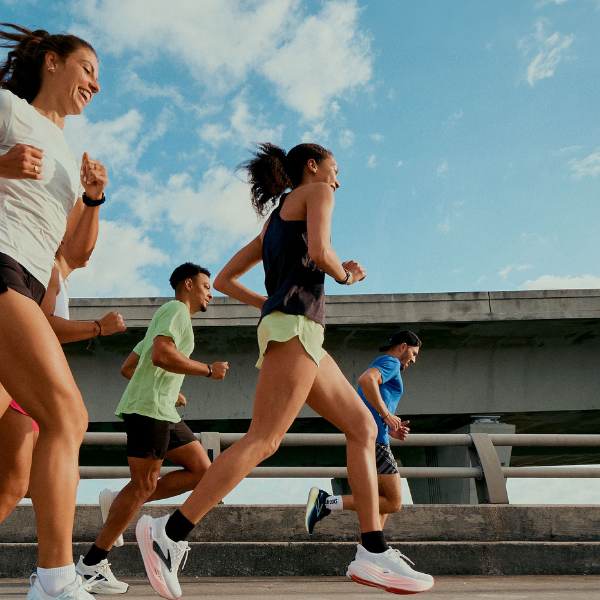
(16, 277)
(386, 463)
(146, 436)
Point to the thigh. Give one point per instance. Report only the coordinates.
(16, 443)
(390, 487)
(33, 367)
(336, 400)
(190, 456)
(285, 379)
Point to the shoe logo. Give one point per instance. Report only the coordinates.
(165, 559)
(97, 577)
(319, 509)
(150, 532)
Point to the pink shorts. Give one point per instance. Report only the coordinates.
(14, 405)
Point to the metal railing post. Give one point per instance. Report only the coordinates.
(494, 484)
(211, 442)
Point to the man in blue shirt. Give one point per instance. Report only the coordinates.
(380, 387)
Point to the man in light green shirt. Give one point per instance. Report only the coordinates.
(156, 369)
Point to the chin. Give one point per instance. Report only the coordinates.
(203, 308)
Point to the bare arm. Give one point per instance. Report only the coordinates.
(130, 365)
(369, 382)
(227, 280)
(166, 356)
(319, 209)
(82, 225)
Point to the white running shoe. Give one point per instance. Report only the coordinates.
(104, 582)
(388, 571)
(78, 590)
(161, 555)
(106, 499)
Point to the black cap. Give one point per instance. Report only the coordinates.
(401, 337)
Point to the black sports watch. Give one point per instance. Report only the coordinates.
(89, 202)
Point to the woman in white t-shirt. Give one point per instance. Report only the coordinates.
(46, 196)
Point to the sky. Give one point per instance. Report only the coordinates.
(466, 134)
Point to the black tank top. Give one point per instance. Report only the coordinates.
(295, 285)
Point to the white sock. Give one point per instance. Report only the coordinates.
(54, 581)
(334, 503)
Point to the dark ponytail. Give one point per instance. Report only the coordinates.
(22, 71)
(272, 171)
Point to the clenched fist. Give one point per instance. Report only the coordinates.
(112, 323)
(22, 162)
(219, 369)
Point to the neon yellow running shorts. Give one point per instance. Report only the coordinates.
(279, 327)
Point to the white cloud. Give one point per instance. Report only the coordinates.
(550, 50)
(317, 135)
(344, 60)
(208, 216)
(243, 128)
(543, 3)
(444, 227)
(222, 42)
(346, 139)
(372, 161)
(552, 282)
(117, 266)
(587, 166)
(118, 144)
(377, 137)
(504, 272)
(568, 149)
(452, 119)
(443, 167)
(400, 163)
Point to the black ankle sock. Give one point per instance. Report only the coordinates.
(178, 527)
(95, 555)
(374, 541)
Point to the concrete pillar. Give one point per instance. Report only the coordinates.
(453, 491)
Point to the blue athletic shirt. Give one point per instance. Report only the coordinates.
(391, 391)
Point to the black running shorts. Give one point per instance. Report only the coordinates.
(386, 463)
(16, 277)
(146, 436)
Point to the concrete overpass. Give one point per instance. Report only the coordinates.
(530, 358)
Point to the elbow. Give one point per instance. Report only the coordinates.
(362, 380)
(219, 283)
(159, 360)
(319, 256)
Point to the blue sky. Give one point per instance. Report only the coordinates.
(466, 134)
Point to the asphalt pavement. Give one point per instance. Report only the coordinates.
(532, 587)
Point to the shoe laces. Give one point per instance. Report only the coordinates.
(180, 553)
(105, 570)
(399, 555)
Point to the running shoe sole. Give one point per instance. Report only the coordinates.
(395, 584)
(313, 495)
(143, 534)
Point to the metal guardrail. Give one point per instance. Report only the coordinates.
(488, 473)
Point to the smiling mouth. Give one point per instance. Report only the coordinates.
(85, 94)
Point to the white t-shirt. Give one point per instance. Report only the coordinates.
(33, 214)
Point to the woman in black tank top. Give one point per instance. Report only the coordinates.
(295, 249)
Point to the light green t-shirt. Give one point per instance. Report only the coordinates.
(152, 391)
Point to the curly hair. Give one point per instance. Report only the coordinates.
(272, 171)
(21, 71)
